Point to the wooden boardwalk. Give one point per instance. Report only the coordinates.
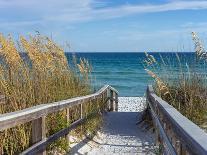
(176, 134)
(120, 134)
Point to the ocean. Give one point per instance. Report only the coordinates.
(125, 71)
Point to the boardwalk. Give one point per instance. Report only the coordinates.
(120, 134)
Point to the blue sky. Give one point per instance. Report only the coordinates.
(109, 25)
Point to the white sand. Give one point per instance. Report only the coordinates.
(120, 134)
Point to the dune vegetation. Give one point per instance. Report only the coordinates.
(185, 89)
(35, 70)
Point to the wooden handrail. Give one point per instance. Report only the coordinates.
(178, 134)
(38, 113)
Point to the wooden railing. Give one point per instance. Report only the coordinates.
(174, 132)
(37, 115)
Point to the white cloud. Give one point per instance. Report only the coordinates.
(68, 11)
(88, 13)
(71, 11)
(172, 6)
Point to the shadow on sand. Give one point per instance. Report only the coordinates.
(121, 125)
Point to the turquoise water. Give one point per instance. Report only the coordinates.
(125, 71)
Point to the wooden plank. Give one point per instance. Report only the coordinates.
(111, 101)
(116, 101)
(108, 100)
(19, 117)
(38, 132)
(33, 150)
(112, 88)
(37, 115)
(162, 133)
(81, 115)
(189, 134)
(68, 122)
(194, 137)
(105, 101)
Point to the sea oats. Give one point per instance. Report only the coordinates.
(184, 88)
(43, 77)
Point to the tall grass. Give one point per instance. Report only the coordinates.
(35, 70)
(184, 88)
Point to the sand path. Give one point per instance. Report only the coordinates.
(120, 134)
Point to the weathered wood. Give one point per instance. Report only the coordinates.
(108, 100)
(38, 113)
(38, 132)
(162, 133)
(192, 139)
(20, 117)
(111, 101)
(68, 122)
(103, 102)
(116, 101)
(81, 115)
(33, 150)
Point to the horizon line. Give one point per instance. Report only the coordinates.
(126, 52)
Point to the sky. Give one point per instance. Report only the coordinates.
(108, 25)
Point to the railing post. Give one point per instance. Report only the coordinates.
(108, 99)
(100, 99)
(81, 115)
(105, 102)
(111, 101)
(38, 132)
(157, 136)
(116, 101)
(68, 121)
(81, 110)
(102, 104)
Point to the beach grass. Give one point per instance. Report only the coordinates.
(34, 70)
(185, 89)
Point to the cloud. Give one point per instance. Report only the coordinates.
(88, 13)
(72, 11)
(172, 6)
